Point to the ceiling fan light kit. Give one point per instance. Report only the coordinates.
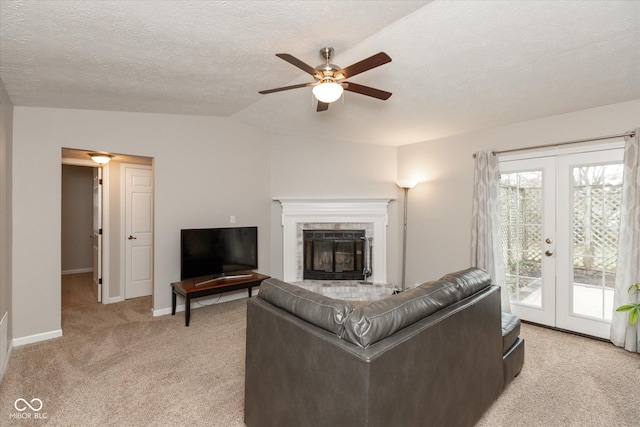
(330, 80)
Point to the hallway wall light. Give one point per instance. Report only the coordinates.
(101, 158)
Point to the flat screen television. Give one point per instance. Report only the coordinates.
(217, 251)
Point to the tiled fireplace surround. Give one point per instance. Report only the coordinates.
(300, 214)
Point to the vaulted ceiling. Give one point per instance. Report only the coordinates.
(457, 66)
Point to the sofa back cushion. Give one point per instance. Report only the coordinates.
(324, 312)
(371, 323)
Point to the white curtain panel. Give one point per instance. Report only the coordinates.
(628, 272)
(486, 237)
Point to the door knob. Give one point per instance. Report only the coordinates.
(549, 240)
(548, 253)
(131, 238)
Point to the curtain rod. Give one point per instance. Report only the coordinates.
(557, 144)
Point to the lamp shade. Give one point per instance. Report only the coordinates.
(327, 91)
(406, 183)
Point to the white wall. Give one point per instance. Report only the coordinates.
(314, 167)
(6, 222)
(439, 230)
(205, 170)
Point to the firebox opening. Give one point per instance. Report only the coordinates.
(334, 254)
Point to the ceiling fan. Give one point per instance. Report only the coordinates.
(330, 80)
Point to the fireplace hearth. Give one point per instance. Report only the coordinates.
(334, 255)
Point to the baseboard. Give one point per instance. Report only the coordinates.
(78, 271)
(30, 339)
(113, 300)
(205, 301)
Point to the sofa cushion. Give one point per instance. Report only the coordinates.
(510, 330)
(324, 312)
(378, 320)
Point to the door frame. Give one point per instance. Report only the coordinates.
(123, 231)
(105, 219)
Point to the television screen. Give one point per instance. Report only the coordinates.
(216, 251)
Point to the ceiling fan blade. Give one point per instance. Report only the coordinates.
(280, 89)
(366, 64)
(322, 106)
(366, 90)
(296, 62)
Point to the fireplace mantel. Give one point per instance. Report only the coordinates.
(297, 211)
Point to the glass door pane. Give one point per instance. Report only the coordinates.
(521, 208)
(344, 253)
(323, 255)
(597, 193)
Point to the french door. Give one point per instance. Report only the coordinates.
(560, 222)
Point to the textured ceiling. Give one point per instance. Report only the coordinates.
(457, 66)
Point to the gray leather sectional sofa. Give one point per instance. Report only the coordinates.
(436, 355)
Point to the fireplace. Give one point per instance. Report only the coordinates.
(299, 214)
(335, 255)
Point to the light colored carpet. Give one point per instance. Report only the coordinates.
(568, 380)
(117, 365)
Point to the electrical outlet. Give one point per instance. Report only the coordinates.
(232, 219)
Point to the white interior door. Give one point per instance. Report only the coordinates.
(97, 233)
(138, 231)
(561, 217)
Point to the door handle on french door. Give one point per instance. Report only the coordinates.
(131, 237)
(548, 253)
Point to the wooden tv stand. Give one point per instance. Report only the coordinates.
(210, 285)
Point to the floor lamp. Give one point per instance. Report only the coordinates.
(405, 185)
